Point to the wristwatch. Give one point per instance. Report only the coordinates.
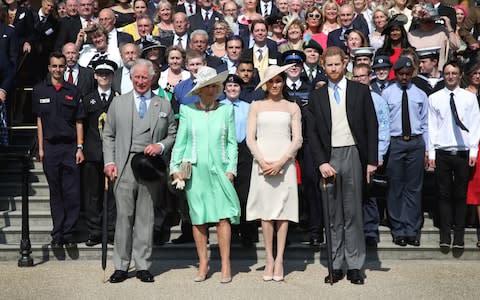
(80, 147)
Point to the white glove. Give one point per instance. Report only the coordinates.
(179, 184)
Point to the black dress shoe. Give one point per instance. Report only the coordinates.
(92, 242)
(182, 239)
(355, 276)
(337, 275)
(118, 276)
(56, 244)
(400, 241)
(145, 276)
(70, 245)
(413, 241)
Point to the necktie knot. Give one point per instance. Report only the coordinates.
(260, 54)
(294, 86)
(104, 97)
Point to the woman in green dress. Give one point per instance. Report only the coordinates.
(206, 141)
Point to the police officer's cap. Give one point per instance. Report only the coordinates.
(293, 56)
(403, 62)
(432, 52)
(104, 66)
(363, 51)
(381, 61)
(313, 45)
(148, 168)
(233, 78)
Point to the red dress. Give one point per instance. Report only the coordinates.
(393, 59)
(473, 190)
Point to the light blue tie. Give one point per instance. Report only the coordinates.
(142, 108)
(336, 94)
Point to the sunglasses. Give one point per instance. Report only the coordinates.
(314, 16)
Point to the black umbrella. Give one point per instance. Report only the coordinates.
(327, 183)
(105, 228)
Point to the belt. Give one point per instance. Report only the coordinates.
(60, 140)
(406, 138)
(462, 153)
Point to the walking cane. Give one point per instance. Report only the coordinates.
(105, 229)
(327, 183)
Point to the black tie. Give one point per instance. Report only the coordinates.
(406, 129)
(382, 86)
(104, 97)
(294, 87)
(455, 114)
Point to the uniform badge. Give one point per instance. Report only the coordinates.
(92, 102)
(68, 98)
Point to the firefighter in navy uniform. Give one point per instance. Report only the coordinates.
(57, 105)
(96, 105)
(310, 205)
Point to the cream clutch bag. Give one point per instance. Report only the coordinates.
(186, 169)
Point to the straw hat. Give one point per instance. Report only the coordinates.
(271, 72)
(207, 76)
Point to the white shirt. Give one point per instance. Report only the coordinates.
(307, 68)
(187, 7)
(183, 41)
(113, 40)
(75, 71)
(89, 51)
(268, 11)
(107, 93)
(148, 99)
(126, 82)
(443, 133)
(264, 50)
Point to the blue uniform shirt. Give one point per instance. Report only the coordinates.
(58, 110)
(417, 108)
(383, 118)
(240, 111)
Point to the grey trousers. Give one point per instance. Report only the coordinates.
(135, 218)
(345, 209)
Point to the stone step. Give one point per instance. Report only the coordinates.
(385, 251)
(40, 227)
(15, 175)
(35, 203)
(15, 189)
(36, 218)
(17, 165)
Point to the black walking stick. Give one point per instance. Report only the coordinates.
(105, 228)
(327, 183)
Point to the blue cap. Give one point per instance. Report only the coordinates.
(293, 56)
(403, 62)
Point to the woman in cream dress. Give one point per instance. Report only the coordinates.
(274, 135)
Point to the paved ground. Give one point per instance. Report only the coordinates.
(391, 280)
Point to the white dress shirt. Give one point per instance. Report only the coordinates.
(126, 82)
(443, 133)
(75, 71)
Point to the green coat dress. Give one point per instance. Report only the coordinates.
(207, 140)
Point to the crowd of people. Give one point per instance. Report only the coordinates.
(230, 113)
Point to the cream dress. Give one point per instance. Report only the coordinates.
(274, 131)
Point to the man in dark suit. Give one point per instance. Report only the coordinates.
(189, 7)
(205, 19)
(70, 27)
(45, 27)
(122, 82)
(342, 131)
(312, 72)
(96, 105)
(106, 18)
(8, 62)
(76, 74)
(264, 51)
(198, 41)
(337, 37)
(267, 8)
(180, 32)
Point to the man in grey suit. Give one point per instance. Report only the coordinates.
(137, 122)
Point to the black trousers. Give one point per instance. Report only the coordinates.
(248, 230)
(93, 194)
(451, 174)
(63, 176)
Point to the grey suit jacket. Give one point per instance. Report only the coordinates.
(117, 133)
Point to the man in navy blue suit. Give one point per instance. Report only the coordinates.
(337, 37)
(205, 19)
